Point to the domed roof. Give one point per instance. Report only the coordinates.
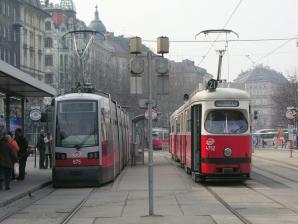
(96, 24)
(261, 73)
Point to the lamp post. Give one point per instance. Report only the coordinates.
(136, 67)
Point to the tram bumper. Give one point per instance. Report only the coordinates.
(77, 176)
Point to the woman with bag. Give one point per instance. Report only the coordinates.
(16, 148)
(7, 159)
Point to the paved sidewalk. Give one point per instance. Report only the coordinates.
(282, 156)
(35, 179)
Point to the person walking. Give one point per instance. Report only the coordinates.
(7, 159)
(48, 152)
(41, 146)
(23, 152)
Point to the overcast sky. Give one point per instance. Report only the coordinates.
(181, 20)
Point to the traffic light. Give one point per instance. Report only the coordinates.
(255, 114)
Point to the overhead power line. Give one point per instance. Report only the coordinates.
(232, 40)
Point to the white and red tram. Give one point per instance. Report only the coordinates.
(91, 140)
(210, 134)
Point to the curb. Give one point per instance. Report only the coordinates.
(23, 194)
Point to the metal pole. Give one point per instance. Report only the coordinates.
(35, 143)
(150, 153)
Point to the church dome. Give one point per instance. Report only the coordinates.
(96, 24)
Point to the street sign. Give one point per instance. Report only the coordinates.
(290, 114)
(154, 114)
(35, 115)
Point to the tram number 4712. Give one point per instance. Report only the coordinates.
(76, 161)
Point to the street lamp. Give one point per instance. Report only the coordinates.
(137, 68)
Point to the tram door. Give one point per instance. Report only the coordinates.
(196, 123)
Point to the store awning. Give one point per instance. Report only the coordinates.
(18, 83)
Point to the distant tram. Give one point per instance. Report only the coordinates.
(160, 138)
(210, 134)
(91, 140)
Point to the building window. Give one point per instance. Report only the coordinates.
(49, 60)
(8, 56)
(48, 42)
(48, 25)
(39, 41)
(31, 60)
(14, 59)
(4, 32)
(25, 35)
(49, 78)
(8, 34)
(8, 9)
(31, 39)
(14, 35)
(39, 62)
(3, 8)
(15, 14)
(25, 57)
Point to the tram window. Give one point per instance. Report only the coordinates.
(225, 122)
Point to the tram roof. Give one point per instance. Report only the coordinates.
(74, 96)
(218, 94)
(18, 83)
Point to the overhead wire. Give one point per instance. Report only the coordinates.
(226, 23)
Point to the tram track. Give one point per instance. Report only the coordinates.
(16, 207)
(75, 210)
(226, 204)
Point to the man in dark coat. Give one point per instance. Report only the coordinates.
(7, 159)
(23, 152)
(41, 145)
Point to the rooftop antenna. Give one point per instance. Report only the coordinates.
(221, 52)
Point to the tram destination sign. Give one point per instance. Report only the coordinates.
(226, 103)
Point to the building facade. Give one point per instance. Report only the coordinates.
(32, 18)
(264, 84)
(10, 32)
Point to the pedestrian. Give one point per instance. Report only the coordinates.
(7, 160)
(48, 151)
(23, 152)
(41, 146)
(16, 149)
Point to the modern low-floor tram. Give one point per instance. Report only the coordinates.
(91, 140)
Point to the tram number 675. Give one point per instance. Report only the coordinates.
(76, 161)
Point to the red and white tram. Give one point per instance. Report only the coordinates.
(91, 140)
(210, 134)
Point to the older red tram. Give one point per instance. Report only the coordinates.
(210, 134)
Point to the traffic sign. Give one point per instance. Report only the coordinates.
(290, 114)
(35, 115)
(154, 114)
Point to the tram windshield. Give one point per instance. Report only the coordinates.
(226, 122)
(77, 124)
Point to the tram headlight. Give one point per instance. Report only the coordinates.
(227, 152)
